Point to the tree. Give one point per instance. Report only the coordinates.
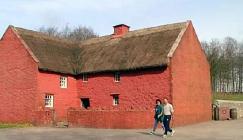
(81, 33)
(230, 48)
(239, 64)
(212, 50)
(226, 64)
(51, 31)
(78, 33)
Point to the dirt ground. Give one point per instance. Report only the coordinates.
(214, 130)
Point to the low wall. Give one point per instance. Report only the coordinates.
(231, 104)
(110, 119)
(44, 118)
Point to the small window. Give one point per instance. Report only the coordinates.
(63, 82)
(85, 77)
(115, 100)
(117, 77)
(49, 101)
(85, 103)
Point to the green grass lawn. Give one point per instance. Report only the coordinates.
(9, 125)
(228, 96)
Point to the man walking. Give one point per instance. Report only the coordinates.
(168, 111)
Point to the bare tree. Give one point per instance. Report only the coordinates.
(82, 33)
(226, 62)
(239, 63)
(51, 31)
(212, 51)
(78, 33)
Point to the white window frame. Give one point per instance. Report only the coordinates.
(115, 99)
(85, 77)
(63, 81)
(49, 100)
(117, 77)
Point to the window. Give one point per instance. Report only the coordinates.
(63, 82)
(85, 103)
(117, 77)
(115, 100)
(49, 100)
(85, 77)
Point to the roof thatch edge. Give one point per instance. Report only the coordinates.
(124, 70)
(177, 41)
(55, 71)
(24, 44)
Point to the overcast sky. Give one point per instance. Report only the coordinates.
(211, 18)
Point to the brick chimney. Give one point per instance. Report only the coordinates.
(120, 30)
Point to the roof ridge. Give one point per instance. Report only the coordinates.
(95, 40)
(137, 32)
(161, 27)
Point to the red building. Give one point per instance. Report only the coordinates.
(110, 81)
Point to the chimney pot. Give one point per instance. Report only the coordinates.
(120, 30)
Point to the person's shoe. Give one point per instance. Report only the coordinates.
(172, 133)
(164, 136)
(151, 133)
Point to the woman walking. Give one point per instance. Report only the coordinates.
(158, 115)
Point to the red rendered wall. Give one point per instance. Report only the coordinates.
(137, 94)
(137, 90)
(191, 89)
(64, 98)
(18, 80)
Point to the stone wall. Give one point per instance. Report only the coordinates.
(44, 118)
(231, 104)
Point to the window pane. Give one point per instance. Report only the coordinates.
(115, 99)
(85, 77)
(117, 77)
(63, 82)
(49, 101)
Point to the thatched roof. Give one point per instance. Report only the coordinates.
(137, 49)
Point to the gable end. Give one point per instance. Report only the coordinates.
(24, 44)
(177, 41)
